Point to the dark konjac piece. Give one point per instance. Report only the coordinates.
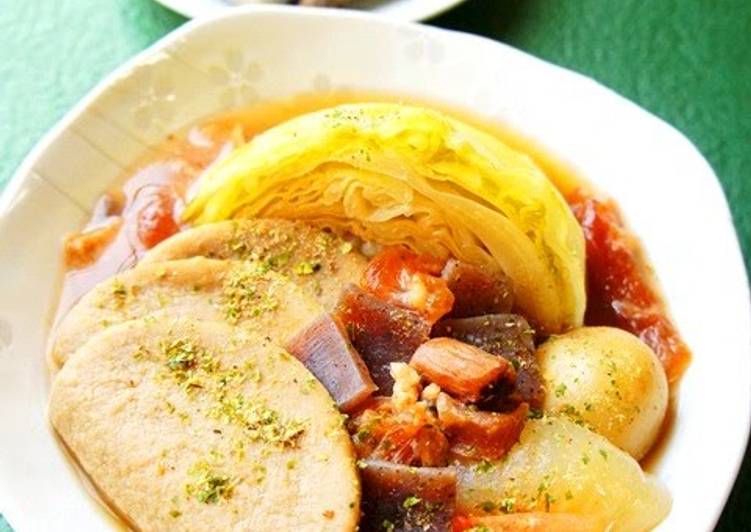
(402, 498)
(381, 333)
(325, 350)
(477, 292)
(478, 435)
(505, 335)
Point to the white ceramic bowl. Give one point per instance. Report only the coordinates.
(667, 190)
(396, 9)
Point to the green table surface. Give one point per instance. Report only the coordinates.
(688, 61)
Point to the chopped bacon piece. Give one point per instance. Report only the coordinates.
(478, 435)
(409, 280)
(461, 369)
(398, 497)
(325, 350)
(505, 335)
(382, 333)
(477, 292)
(620, 290)
(530, 522)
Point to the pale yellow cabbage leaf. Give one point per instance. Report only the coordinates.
(408, 175)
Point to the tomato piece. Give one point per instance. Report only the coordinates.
(431, 447)
(620, 291)
(409, 280)
(156, 220)
(380, 432)
(460, 523)
(82, 249)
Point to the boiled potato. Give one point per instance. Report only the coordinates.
(561, 467)
(609, 381)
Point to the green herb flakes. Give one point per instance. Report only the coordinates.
(411, 501)
(208, 486)
(307, 268)
(260, 423)
(119, 292)
(507, 505)
(242, 297)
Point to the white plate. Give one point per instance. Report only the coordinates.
(397, 9)
(667, 190)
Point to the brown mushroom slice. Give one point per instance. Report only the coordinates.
(319, 261)
(232, 291)
(463, 370)
(479, 435)
(323, 347)
(382, 333)
(195, 425)
(505, 335)
(477, 292)
(400, 497)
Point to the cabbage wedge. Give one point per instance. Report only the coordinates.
(408, 175)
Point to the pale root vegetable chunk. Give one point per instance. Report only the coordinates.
(532, 522)
(187, 425)
(609, 381)
(561, 467)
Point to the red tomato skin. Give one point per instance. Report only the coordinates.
(620, 290)
(156, 220)
(406, 279)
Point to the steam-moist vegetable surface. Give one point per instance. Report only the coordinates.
(608, 380)
(397, 174)
(182, 426)
(559, 466)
